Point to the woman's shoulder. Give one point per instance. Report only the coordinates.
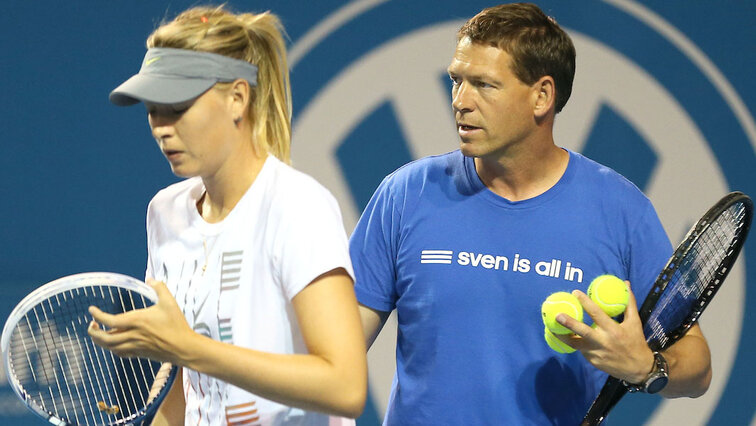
(176, 194)
(291, 186)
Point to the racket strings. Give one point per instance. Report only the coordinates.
(60, 370)
(140, 393)
(91, 380)
(128, 390)
(694, 275)
(99, 357)
(64, 367)
(48, 368)
(128, 402)
(50, 360)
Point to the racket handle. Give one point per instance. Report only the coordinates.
(610, 394)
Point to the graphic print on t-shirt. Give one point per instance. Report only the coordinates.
(513, 263)
(242, 414)
(229, 282)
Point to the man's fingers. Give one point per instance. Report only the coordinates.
(578, 327)
(632, 305)
(600, 318)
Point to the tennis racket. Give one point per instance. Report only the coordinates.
(62, 376)
(686, 285)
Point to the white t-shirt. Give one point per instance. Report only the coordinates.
(234, 280)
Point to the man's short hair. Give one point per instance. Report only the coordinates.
(537, 44)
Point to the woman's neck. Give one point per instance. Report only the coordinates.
(224, 189)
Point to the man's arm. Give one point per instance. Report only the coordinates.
(689, 362)
(372, 323)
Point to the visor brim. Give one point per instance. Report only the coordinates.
(159, 89)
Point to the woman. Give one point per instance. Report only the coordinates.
(249, 256)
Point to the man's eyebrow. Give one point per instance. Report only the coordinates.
(474, 77)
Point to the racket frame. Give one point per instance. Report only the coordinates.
(723, 269)
(58, 286)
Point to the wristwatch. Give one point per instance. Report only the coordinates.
(656, 379)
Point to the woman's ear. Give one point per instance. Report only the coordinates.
(240, 97)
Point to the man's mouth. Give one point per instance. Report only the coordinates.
(466, 127)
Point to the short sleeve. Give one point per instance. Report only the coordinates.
(650, 250)
(373, 248)
(309, 238)
(149, 219)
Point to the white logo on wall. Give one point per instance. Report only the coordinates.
(605, 78)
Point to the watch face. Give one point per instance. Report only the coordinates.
(657, 384)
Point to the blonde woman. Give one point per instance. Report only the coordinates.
(248, 256)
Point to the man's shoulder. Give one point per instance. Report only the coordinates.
(605, 178)
(434, 165)
(607, 190)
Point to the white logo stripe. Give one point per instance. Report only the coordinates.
(436, 256)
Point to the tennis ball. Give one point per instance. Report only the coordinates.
(556, 344)
(561, 302)
(610, 293)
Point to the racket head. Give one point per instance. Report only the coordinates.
(696, 271)
(58, 372)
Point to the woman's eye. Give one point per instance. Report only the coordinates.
(179, 109)
(166, 110)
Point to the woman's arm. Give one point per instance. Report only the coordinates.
(171, 411)
(331, 378)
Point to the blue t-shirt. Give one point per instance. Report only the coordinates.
(467, 272)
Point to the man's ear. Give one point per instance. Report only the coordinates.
(545, 96)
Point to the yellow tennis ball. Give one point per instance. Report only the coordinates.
(556, 344)
(610, 293)
(561, 302)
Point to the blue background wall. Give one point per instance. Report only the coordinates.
(76, 172)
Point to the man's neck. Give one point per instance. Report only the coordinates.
(525, 175)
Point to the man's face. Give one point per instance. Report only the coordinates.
(493, 108)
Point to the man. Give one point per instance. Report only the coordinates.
(467, 245)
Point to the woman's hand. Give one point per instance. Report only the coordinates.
(159, 332)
